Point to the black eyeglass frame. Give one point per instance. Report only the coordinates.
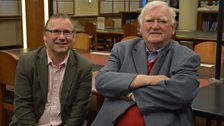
(57, 32)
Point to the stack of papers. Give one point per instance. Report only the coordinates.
(207, 65)
(101, 53)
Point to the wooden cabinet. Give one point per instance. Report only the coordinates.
(208, 16)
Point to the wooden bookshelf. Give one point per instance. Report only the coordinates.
(127, 17)
(209, 16)
(207, 20)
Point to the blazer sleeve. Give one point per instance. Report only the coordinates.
(79, 107)
(112, 81)
(23, 113)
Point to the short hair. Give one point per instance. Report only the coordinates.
(60, 15)
(154, 4)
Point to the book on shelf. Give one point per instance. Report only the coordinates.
(209, 26)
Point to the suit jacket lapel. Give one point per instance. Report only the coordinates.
(140, 58)
(156, 68)
(42, 72)
(68, 78)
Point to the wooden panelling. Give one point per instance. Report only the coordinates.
(35, 23)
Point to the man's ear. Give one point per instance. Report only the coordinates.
(140, 30)
(175, 25)
(44, 37)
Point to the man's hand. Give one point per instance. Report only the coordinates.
(145, 80)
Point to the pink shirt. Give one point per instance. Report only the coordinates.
(51, 115)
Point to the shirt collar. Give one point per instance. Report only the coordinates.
(151, 56)
(63, 63)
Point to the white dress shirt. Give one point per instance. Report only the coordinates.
(51, 115)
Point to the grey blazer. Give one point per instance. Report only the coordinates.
(31, 89)
(167, 103)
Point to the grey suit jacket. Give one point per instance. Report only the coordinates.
(31, 89)
(167, 103)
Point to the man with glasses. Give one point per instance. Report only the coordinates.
(149, 81)
(53, 82)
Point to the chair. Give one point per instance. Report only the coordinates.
(95, 41)
(207, 51)
(135, 22)
(107, 38)
(129, 37)
(81, 41)
(7, 76)
(90, 29)
(130, 30)
(95, 103)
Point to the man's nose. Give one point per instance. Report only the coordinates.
(62, 35)
(155, 24)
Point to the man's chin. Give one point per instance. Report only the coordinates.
(62, 50)
(154, 41)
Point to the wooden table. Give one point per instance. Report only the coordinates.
(98, 60)
(196, 36)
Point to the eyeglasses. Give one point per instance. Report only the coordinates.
(57, 33)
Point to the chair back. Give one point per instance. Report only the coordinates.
(135, 22)
(7, 77)
(81, 41)
(109, 23)
(130, 30)
(7, 67)
(90, 28)
(82, 21)
(207, 52)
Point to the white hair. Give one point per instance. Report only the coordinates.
(154, 4)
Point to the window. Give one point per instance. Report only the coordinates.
(9, 8)
(10, 23)
(63, 6)
(116, 6)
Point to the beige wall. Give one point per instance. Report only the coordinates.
(82, 7)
